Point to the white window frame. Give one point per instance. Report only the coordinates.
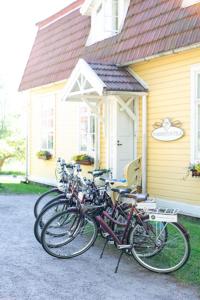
(108, 17)
(195, 102)
(48, 100)
(88, 114)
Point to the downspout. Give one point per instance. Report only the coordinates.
(144, 144)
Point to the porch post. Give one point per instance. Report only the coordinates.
(97, 137)
(144, 144)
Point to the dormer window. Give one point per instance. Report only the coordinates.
(107, 18)
(187, 3)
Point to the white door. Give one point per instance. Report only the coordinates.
(122, 139)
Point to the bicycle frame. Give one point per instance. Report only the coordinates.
(107, 228)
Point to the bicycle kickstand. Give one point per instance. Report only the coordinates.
(104, 247)
(116, 269)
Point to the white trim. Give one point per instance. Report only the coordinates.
(87, 7)
(184, 208)
(187, 3)
(43, 180)
(83, 68)
(127, 104)
(88, 114)
(106, 93)
(97, 142)
(102, 25)
(147, 58)
(114, 131)
(144, 144)
(124, 107)
(111, 133)
(107, 131)
(138, 78)
(58, 18)
(136, 125)
(50, 99)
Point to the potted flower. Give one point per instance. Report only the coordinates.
(83, 159)
(194, 168)
(44, 154)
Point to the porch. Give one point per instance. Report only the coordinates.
(114, 96)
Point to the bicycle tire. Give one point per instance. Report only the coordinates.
(42, 198)
(47, 213)
(70, 245)
(152, 227)
(168, 261)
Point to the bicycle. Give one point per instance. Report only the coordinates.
(163, 248)
(91, 195)
(65, 174)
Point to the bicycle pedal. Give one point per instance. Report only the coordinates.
(124, 247)
(106, 234)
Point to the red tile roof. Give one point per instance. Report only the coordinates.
(56, 50)
(151, 27)
(116, 78)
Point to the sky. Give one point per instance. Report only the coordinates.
(17, 34)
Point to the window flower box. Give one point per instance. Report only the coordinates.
(194, 168)
(84, 159)
(44, 154)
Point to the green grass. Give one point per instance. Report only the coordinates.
(190, 273)
(22, 188)
(14, 173)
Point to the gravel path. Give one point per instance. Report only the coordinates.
(27, 272)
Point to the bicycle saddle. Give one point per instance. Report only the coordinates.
(137, 197)
(121, 191)
(96, 173)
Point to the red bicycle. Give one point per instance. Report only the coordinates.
(158, 246)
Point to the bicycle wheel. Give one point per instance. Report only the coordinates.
(147, 245)
(47, 213)
(44, 199)
(164, 250)
(71, 234)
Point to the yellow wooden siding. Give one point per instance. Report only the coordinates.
(168, 79)
(66, 127)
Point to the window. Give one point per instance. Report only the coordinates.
(107, 18)
(87, 131)
(187, 3)
(196, 113)
(47, 123)
(115, 15)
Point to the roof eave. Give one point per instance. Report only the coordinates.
(118, 92)
(161, 54)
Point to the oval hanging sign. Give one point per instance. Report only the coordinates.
(167, 131)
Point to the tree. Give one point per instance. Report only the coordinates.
(11, 147)
(12, 143)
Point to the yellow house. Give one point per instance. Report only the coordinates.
(119, 79)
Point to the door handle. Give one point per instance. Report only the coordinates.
(118, 143)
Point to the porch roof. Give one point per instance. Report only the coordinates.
(100, 79)
(116, 78)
